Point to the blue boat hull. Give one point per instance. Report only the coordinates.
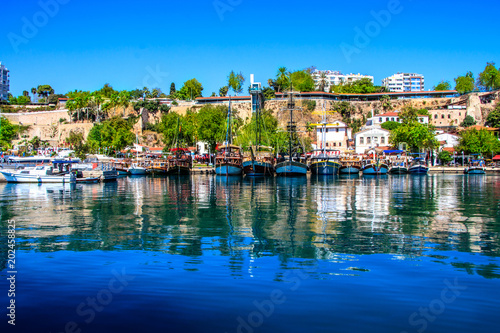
(398, 170)
(475, 171)
(258, 168)
(375, 170)
(348, 170)
(288, 168)
(226, 169)
(418, 170)
(325, 168)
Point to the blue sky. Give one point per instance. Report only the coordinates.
(79, 44)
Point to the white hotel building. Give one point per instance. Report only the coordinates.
(336, 78)
(4, 83)
(336, 136)
(404, 82)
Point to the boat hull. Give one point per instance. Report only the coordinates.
(374, 170)
(257, 168)
(137, 172)
(418, 170)
(475, 171)
(228, 169)
(16, 178)
(291, 169)
(122, 172)
(398, 170)
(348, 170)
(325, 168)
(179, 170)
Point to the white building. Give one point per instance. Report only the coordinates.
(336, 136)
(4, 83)
(371, 137)
(404, 82)
(336, 78)
(379, 119)
(447, 140)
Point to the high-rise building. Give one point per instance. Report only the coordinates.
(4, 83)
(336, 78)
(404, 82)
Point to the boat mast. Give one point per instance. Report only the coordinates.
(290, 126)
(323, 128)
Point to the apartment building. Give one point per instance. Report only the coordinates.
(4, 83)
(336, 78)
(404, 82)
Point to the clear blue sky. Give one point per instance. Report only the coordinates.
(84, 44)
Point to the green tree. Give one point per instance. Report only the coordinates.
(363, 86)
(115, 133)
(468, 121)
(33, 91)
(172, 89)
(77, 141)
(473, 141)
(211, 124)
(190, 90)
(493, 118)
(23, 100)
(445, 157)
(107, 91)
(465, 84)
(44, 90)
(223, 91)
(322, 81)
(415, 134)
(442, 86)
(489, 79)
(282, 81)
(268, 93)
(235, 82)
(345, 109)
(54, 98)
(7, 132)
(390, 125)
(177, 130)
(26, 93)
(302, 81)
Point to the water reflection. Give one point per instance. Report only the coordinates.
(246, 218)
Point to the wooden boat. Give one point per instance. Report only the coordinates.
(374, 167)
(295, 163)
(399, 167)
(325, 162)
(350, 165)
(229, 161)
(159, 167)
(88, 180)
(260, 162)
(476, 167)
(39, 174)
(137, 170)
(418, 166)
(180, 163)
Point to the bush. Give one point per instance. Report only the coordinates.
(445, 157)
(309, 105)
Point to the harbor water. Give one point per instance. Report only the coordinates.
(206, 253)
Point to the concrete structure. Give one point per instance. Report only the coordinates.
(336, 136)
(371, 137)
(404, 82)
(447, 140)
(392, 116)
(4, 83)
(336, 78)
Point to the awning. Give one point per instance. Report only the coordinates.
(496, 158)
(393, 151)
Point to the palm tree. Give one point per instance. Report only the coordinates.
(124, 100)
(97, 99)
(33, 91)
(282, 78)
(323, 81)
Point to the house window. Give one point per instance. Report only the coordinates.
(326, 131)
(361, 140)
(442, 116)
(449, 116)
(392, 119)
(382, 140)
(435, 116)
(368, 140)
(380, 119)
(327, 144)
(340, 144)
(334, 144)
(460, 113)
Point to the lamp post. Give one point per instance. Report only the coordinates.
(462, 158)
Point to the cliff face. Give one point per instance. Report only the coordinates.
(48, 125)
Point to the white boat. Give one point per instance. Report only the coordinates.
(38, 174)
(137, 170)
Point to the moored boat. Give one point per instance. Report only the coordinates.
(228, 161)
(137, 170)
(39, 174)
(374, 167)
(350, 165)
(325, 162)
(475, 167)
(260, 162)
(418, 166)
(295, 163)
(181, 162)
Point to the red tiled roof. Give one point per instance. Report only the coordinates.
(449, 149)
(388, 114)
(156, 149)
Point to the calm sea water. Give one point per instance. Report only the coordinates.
(210, 254)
